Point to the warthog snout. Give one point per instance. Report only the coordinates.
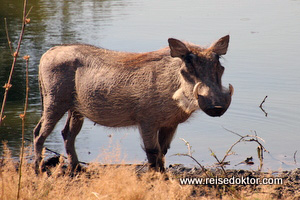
(213, 101)
(215, 111)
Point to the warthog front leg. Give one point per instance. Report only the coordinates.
(166, 135)
(152, 147)
(69, 133)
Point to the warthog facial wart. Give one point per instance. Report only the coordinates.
(154, 91)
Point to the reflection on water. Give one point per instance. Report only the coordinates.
(52, 23)
(262, 60)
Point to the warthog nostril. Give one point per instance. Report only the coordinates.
(217, 106)
(214, 111)
(214, 107)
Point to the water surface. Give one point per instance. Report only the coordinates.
(263, 59)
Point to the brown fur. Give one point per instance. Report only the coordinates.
(138, 59)
(117, 89)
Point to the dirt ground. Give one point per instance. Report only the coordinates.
(277, 185)
(241, 183)
(126, 181)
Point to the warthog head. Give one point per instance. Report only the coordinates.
(203, 70)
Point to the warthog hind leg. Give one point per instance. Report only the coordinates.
(69, 133)
(42, 131)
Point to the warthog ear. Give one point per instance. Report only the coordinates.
(178, 48)
(220, 47)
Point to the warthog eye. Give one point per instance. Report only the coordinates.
(190, 58)
(219, 72)
(190, 63)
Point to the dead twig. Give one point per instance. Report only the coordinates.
(248, 161)
(189, 154)
(58, 154)
(28, 14)
(220, 163)
(7, 37)
(22, 116)
(142, 167)
(261, 104)
(263, 101)
(295, 157)
(247, 138)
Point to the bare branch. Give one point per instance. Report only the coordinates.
(247, 138)
(188, 146)
(232, 131)
(221, 163)
(184, 154)
(7, 37)
(26, 100)
(263, 101)
(266, 114)
(15, 55)
(189, 154)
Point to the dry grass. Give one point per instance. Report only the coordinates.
(120, 182)
(96, 183)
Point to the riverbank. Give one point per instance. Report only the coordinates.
(241, 184)
(135, 182)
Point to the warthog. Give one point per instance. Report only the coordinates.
(154, 91)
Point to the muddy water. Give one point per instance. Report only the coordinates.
(263, 60)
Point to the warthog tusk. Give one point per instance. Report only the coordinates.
(196, 89)
(231, 90)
